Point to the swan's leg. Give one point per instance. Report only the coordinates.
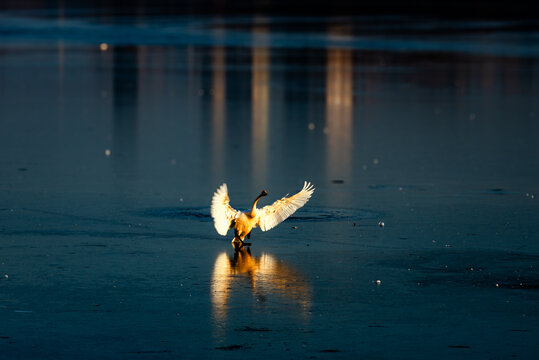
(238, 242)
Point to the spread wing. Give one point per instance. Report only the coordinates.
(222, 213)
(273, 215)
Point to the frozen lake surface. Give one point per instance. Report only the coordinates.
(116, 129)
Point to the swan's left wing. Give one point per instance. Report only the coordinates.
(274, 214)
(222, 213)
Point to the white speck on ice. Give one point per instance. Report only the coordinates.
(378, 282)
(375, 161)
(381, 224)
(107, 152)
(103, 46)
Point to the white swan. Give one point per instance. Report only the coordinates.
(225, 217)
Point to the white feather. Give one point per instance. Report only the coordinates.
(222, 213)
(273, 215)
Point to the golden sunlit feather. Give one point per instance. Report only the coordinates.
(272, 215)
(222, 213)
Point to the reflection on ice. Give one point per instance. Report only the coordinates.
(260, 108)
(339, 110)
(264, 275)
(218, 111)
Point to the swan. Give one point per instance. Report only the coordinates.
(225, 217)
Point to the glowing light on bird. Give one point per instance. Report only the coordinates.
(225, 217)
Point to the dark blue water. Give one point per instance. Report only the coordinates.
(116, 128)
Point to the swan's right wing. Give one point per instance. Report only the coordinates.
(272, 215)
(222, 213)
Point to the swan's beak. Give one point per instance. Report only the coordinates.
(263, 193)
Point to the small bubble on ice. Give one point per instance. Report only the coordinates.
(311, 126)
(6, 276)
(107, 152)
(381, 224)
(364, 167)
(375, 161)
(103, 46)
(181, 199)
(378, 282)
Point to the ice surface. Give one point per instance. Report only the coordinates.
(115, 131)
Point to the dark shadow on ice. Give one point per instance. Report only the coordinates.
(474, 268)
(125, 87)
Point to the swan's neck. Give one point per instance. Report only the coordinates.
(253, 210)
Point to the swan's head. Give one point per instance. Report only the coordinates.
(263, 193)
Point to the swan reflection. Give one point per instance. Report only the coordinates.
(265, 277)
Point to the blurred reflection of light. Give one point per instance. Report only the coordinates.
(260, 104)
(264, 275)
(339, 111)
(218, 111)
(194, 83)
